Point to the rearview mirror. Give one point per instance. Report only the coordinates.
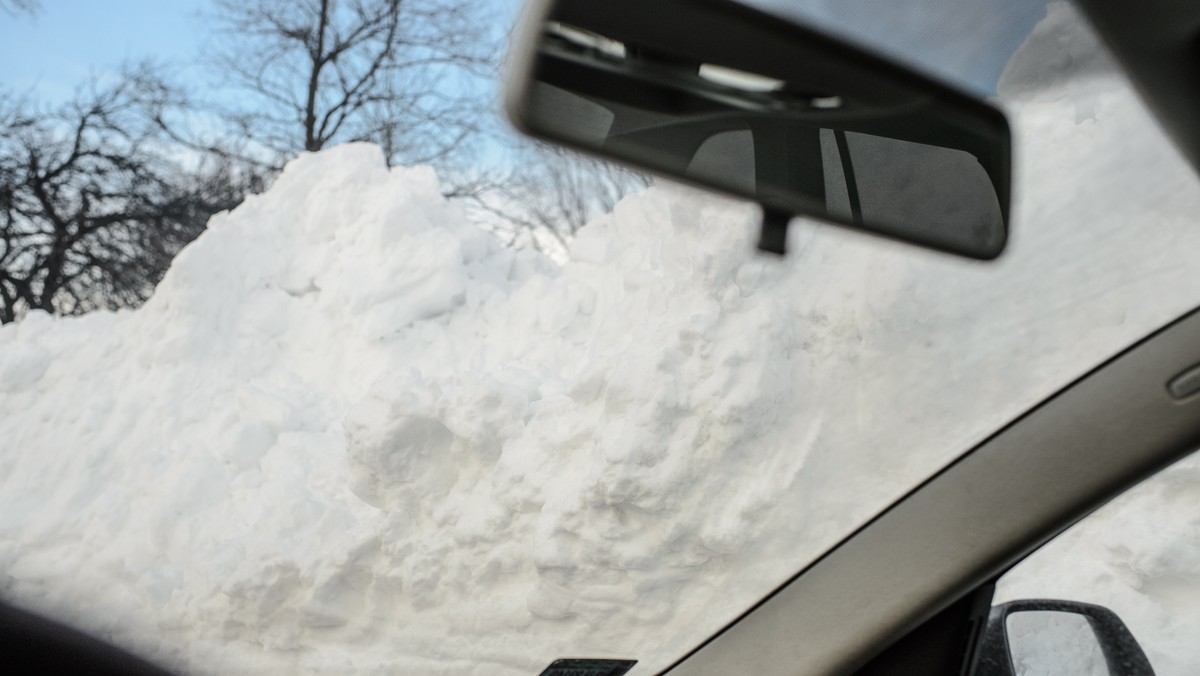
(1043, 636)
(729, 98)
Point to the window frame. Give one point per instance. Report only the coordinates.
(948, 539)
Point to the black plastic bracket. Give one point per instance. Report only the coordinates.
(588, 667)
(772, 237)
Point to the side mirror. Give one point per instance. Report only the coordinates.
(1058, 637)
(733, 99)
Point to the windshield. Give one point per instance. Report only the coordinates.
(401, 411)
(968, 42)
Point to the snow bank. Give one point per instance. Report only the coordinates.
(351, 432)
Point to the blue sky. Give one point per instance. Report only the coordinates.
(69, 41)
(72, 40)
(53, 54)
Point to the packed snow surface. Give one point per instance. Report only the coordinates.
(352, 433)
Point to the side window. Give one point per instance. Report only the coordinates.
(1118, 593)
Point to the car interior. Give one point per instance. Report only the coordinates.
(911, 591)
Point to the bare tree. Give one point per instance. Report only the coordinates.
(412, 76)
(16, 7)
(320, 72)
(553, 192)
(92, 208)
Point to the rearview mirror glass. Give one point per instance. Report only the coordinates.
(729, 98)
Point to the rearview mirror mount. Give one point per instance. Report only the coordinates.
(732, 99)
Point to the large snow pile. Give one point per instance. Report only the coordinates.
(352, 433)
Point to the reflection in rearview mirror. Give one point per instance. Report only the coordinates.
(729, 98)
(1048, 643)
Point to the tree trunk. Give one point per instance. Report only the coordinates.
(311, 141)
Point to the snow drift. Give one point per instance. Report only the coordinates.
(352, 433)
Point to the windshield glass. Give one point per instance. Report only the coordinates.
(420, 419)
(968, 42)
